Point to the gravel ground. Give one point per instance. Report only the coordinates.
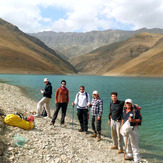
(45, 143)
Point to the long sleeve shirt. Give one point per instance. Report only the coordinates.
(62, 95)
(48, 90)
(82, 100)
(97, 107)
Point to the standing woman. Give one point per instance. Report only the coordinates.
(135, 118)
(96, 112)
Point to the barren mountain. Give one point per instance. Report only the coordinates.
(149, 63)
(22, 53)
(118, 58)
(76, 44)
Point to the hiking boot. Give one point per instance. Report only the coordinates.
(94, 135)
(114, 147)
(128, 158)
(119, 151)
(98, 137)
(51, 123)
(80, 130)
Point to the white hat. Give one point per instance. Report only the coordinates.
(45, 80)
(128, 100)
(95, 93)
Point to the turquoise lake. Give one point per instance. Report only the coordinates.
(146, 92)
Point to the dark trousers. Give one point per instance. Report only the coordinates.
(64, 109)
(96, 124)
(83, 118)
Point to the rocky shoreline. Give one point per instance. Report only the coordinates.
(46, 143)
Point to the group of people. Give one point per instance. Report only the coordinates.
(120, 113)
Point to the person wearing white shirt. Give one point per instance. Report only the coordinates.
(82, 101)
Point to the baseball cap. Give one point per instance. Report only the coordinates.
(95, 92)
(128, 100)
(45, 80)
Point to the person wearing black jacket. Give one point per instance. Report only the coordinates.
(115, 118)
(47, 93)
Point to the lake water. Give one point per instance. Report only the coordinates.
(146, 92)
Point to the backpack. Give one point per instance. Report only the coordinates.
(44, 113)
(137, 108)
(85, 94)
(18, 120)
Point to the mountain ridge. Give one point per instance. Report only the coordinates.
(74, 44)
(28, 53)
(109, 59)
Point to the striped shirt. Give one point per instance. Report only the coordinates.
(97, 107)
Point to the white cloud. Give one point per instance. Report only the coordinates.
(83, 15)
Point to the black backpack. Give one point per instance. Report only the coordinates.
(44, 113)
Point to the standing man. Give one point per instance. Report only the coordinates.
(61, 101)
(82, 101)
(96, 111)
(47, 93)
(115, 118)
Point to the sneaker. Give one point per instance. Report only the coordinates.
(80, 130)
(128, 158)
(98, 137)
(94, 135)
(119, 151)
(114, 147)
(36, 115)
(47, 117)
(63, 125)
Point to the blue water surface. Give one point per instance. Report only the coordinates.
(146, 92)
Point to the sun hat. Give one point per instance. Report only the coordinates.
(95, 93)
(45, 80)
(128, 100)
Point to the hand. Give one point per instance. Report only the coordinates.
(98, 118)
(73, 104)
(109, 122)
(130, 119)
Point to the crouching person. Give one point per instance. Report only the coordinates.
(133, 117)
(96, 112)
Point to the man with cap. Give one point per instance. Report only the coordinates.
(61, 101)
(115, 118)
(96, 112)
(131, 114)
(47, 93)
(82, 100)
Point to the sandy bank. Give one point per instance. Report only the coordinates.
(46, 143)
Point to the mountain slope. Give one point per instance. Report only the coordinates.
(149, 63)
(76, 44)
(109, 57)
(22, 53)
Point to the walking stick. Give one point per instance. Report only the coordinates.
(73, 118)
(125, 148)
